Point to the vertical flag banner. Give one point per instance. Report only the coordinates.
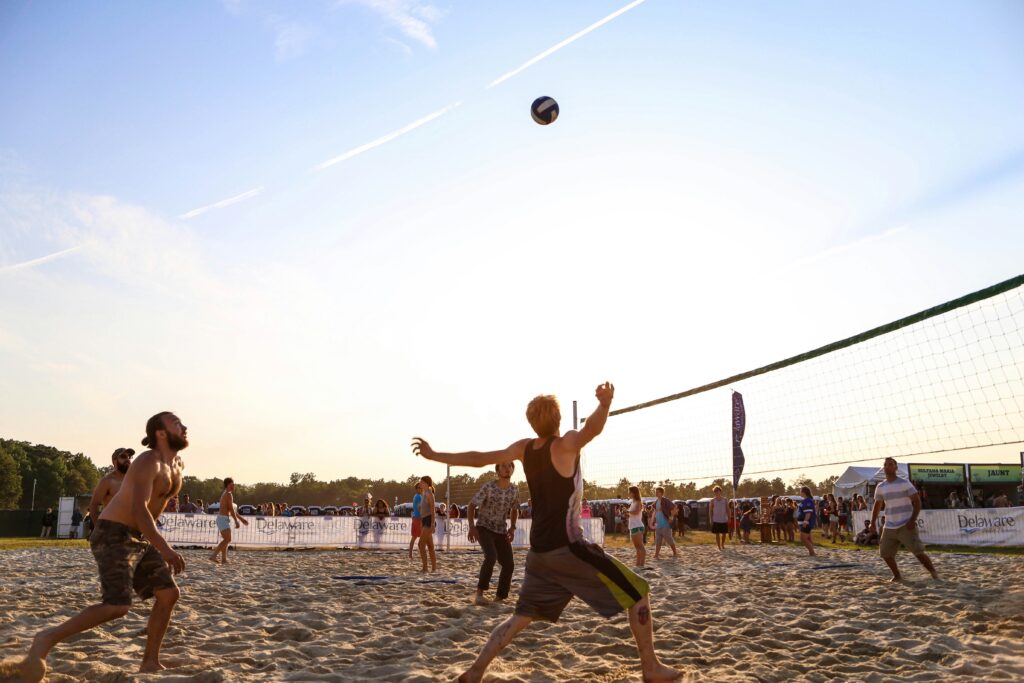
(739, 425)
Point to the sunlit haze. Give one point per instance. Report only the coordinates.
(315, 231)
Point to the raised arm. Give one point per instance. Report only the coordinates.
(573, 441)
(470, 458)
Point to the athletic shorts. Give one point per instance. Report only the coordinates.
(223, 523)
(663, 534)
(417, 527)
(893, 538)
(719, 527)
(582, 570)
(636, 530)
(427, 522)
(127, 562)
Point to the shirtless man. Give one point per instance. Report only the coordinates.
(227, 502)
(109, 485)
(129, 550)
(561, 564)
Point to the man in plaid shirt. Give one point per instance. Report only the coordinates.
(495, 501)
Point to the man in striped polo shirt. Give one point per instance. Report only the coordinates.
(902, 506)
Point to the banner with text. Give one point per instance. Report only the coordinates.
(335, 532)
(981, 526)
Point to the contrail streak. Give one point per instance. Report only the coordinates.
(39, 261)
(221, 204)
(387, 138)
(576, 36)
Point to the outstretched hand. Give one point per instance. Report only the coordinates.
(421, 448)
(605, 392)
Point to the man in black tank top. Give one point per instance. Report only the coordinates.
(561, 564)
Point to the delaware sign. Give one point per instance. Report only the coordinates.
(981, 527)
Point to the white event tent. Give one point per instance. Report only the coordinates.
(861, 479)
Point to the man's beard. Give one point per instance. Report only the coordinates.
(176, 443)
(123, 467)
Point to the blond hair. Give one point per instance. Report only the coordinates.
(544, 415)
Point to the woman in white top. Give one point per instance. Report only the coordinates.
(636, 525)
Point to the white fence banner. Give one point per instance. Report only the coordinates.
(334, 532)
(980, 526)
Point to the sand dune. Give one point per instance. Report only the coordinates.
(750, 613)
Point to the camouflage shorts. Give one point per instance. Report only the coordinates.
(127, 562)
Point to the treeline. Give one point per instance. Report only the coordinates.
(55, 473)
(748, 488)
(60, 473)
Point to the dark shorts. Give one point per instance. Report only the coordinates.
(582, 570)
(427, 522)
(719, 527)
(127, 563)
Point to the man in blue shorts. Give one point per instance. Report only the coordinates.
(808, 518)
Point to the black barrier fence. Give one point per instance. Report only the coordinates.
(15, 523)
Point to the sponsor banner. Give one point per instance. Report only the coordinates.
(980, 527)
(936, 474)
(995, 474)
(181, 529)
(739, 426)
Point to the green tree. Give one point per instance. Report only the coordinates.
(10, 481)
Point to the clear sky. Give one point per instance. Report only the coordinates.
(317, 229)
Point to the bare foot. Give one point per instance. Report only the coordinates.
(31, 669)
(470, 677)
(481, 600)
(662, 673)
(213, 558)
(896, 579)
(150, 667)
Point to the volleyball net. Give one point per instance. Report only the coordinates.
(945, 380)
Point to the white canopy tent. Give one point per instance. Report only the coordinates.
(862, 479)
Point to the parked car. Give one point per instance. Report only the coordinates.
(298, 511)
(248, 510)
(314, 510)
(329, 510)
(346, 510)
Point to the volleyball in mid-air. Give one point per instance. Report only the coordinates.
(544, 110)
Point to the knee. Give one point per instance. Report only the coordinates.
(116, 611)
(168, 596)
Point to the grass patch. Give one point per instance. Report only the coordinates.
(30, 542)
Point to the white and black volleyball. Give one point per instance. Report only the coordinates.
(544, 110)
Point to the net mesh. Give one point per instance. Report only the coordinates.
(949, 379)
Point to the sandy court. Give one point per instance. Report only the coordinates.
(750, 613)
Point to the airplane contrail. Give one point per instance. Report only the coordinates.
(386, 138)
(221, 204)
(38, 261)
(574, 37)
